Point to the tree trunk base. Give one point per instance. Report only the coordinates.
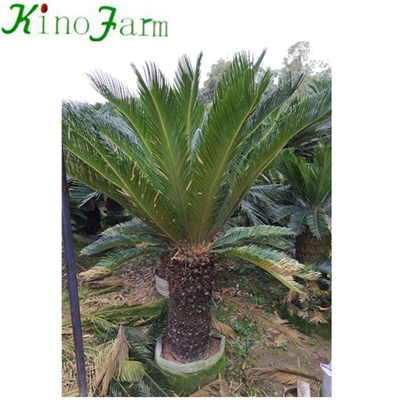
(191, 284)
(187, 378)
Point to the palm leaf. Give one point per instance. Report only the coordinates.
(224, 329)
(217, 388)
(116, 259)
(298, 222)
(283, 375)
(239, 235)
(131, 371)
(309, 111)
(110, 362)
(102, 163)
(248, 310)
(318, 223)
(224, 130)
(275, 263)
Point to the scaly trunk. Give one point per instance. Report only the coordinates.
(161, 265)
(311, 250)
(113, 207)
(189, 319)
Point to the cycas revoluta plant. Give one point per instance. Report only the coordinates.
(311, 201)
(183, 171)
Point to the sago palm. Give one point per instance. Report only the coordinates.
(183, 171)
(311, 201)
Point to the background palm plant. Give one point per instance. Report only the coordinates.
(311, 201)
(183, 171)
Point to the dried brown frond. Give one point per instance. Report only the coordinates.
(108, 282)
(218, 388)
(291, 296)
(313, 287)
(286, 376)
(224, 329)
(317, 318)
(93, 274)
(310, 275)
(247, 309)
(110, 362)
(280, 339)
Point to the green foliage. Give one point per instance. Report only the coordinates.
(182, 169)
(312, 188)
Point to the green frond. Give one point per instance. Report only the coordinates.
(131, 371)
(223, 133)
(311, 181)
(309, 111)
(117, 258)
(279, 265)
(298, 222)
(123, 313)
(107, 241)
(103, 162)
(187, 81)
(318, 224)
(168, 138)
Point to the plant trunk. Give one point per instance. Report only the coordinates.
(161, 265)
(189, 319)
(114, 208)
(311, 250)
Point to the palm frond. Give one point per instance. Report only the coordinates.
(104, 163)
(224, 329)
(309, 111)
(110, 362)
(298, 222)
(239, 235)
(247, 309)
(318, 223)
(223, 132)
(217, 388)
(108, 241)
(278, 264)
(283, 375)
(131, 371)
(116, 258)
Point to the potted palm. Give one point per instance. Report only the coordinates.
(182, 171)
(310, 210)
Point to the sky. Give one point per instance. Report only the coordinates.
(37, 71)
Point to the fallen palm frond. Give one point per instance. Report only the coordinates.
(286, 376)
(224, 329)
(94, 273)
(110, 362)
(218, 388)
(247, 309)
(109, 313)
(317, 318)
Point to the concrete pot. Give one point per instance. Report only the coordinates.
(162, 286)
(190, 377)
